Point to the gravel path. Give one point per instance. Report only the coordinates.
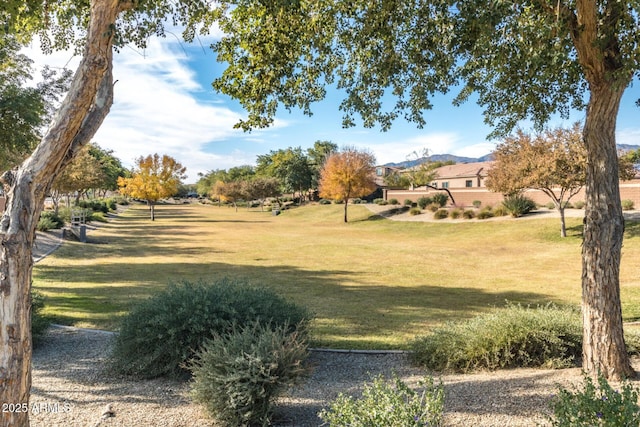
(71, 389)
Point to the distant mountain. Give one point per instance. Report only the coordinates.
(460, 159)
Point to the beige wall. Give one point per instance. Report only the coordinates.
(629, 190)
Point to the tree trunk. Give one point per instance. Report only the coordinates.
(78, 118)
(346, 204)
(563, 226)
(152, 210)
(604, 348)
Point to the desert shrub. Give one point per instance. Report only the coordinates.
(39, 322)
(518, 205)
(324, 202)
(238, 374)
(49, 220)
(599, 405)
(338, 202)
(568, 205)
(161, 333)
(440, 198)
(515, 336)
(627, 205)
(408, 202)
(423, 202)
(433, 207)
(500, 210)
(550, 205)
(456, 213)
(441, 214)
(415, 211)
(485, 214)
(579, 204)
(394, 202)
(357, 201)
(382, 404)
(378, 201)
(468, 214)
(476, 204)
(383, 203)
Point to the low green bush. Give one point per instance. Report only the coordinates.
(433, 207)
(518, 205)
(476, 204)
(579, 204)
(378, 201)
(357, 201)
(161, 333)
(39, 322)
(394, 202)
(441, 214)
(237, 375)
(95, 205)
(49, 220)
(627, 205)
(514, 336)
(324, 202)
(440, 198)
(468, 214)
(500, 210)
(551, 205)
(423, 202)
(382, 404)
(415, 211)
(408, 202)
(485, 214)
(599, 405)
(456, 213)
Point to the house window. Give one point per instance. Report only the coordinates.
(468, 183)
(445, 184)
(379, 171)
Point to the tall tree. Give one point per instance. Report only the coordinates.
(290, 166)
(84, 172)
(98, 23)
(523, 58)
(110, 166)
(348, 174)
(154, 178)
(317, 155)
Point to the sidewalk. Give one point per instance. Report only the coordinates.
(45, 243)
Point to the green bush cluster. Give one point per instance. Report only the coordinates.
(456, 213)
(440, 199)
(579, 204)
(39, 322)
(476, 204)
(468, 214)
(518, 205)
(408, 202)
(379, 201)
(441, 214)
(97, 205)
(324, 202)
(627, 205)
(49, 220)
(382, 404)
(599, 405)
(415, 211)
(423, 202)
(394, 202)
(515, 336)
(161, 333)
(485, 213)
(237, 375)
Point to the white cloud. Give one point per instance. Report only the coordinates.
(629, 136)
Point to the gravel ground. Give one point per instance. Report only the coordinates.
(71, 388)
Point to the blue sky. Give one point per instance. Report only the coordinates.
(164, 103)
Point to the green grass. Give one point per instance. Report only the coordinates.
(372, 283)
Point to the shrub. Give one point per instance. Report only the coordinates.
(596, 406)
(515, 336)
(384, 405)
(485, 214)
(378, 201)
(95, 205)
(433, 207)
(579, 204)
(324, 202)
(49, 220)
(456, 213)
(383, 203)
(161, 333)
(97, 217)
(627, 205)
(423, 202)
(568, 205)
(415, 211)
(357, 201)
(440, 198)
(39, 322)
(550, 205)
(441, 214)
(468, 214)
(238, 374)
(476, 204)
(408, 202)
(518, 205)
(500, 210)
(394, 202)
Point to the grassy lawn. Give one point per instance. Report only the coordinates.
(372, 283)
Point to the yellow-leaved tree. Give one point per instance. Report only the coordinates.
(153, 178)
(347, 174)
